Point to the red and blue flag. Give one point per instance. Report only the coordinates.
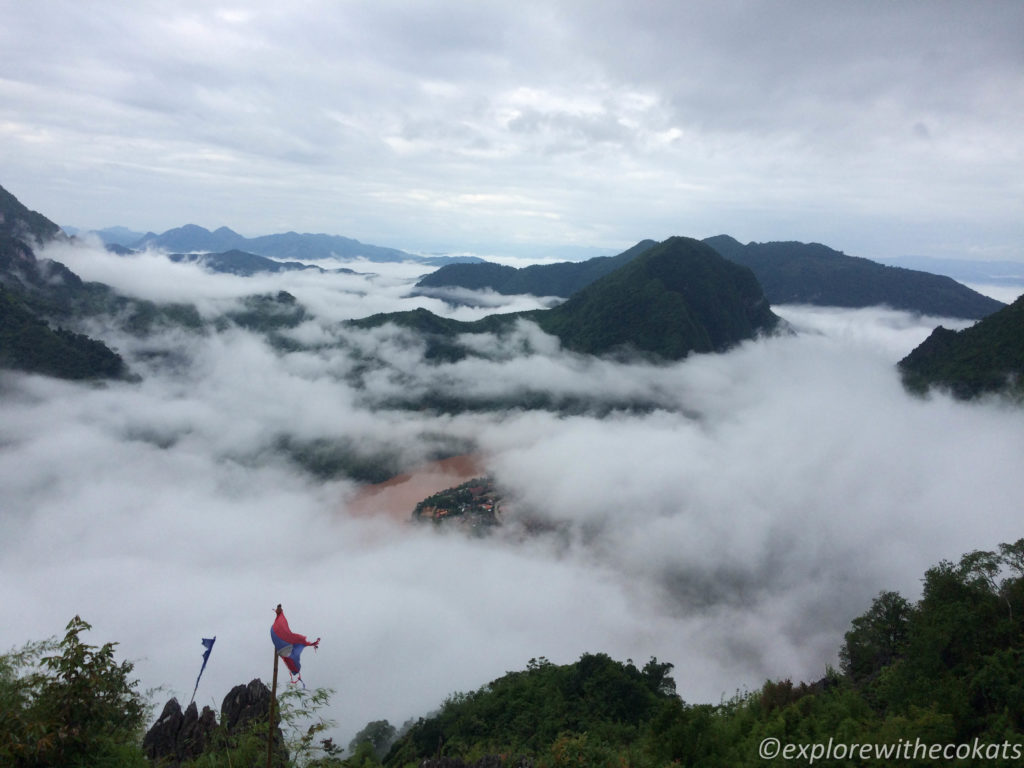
(289, 645)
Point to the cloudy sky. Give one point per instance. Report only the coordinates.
(882, 129)
(733, 528)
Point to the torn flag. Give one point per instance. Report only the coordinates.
(289, 644)
(208, 643)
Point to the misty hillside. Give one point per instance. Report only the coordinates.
(236, 262)
(288, 246)
(46, 306)
(36, 298)
(17, 221)
(789, 273)
(28, 343)
(562, 279)
(985, 358)
(811, 273)
(673, 299)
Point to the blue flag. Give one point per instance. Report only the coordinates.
(208, 643)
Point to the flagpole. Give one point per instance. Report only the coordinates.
(270, 729)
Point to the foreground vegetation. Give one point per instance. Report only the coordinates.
(986, 358)
(948, 669)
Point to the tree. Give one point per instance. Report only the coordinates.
(75, 707)
(379, 734)
(877, 637)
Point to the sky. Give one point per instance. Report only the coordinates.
(882, 129)
(733, 528)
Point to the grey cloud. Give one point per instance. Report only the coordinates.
(374, 120)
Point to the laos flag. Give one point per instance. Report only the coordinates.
(289, 644)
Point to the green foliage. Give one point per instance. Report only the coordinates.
(27, 343)
(987, 357)
(69, 703)
(673, 299)
(529, 712)
(946, 670)
(378, 735)
(669, 300)
(269, 312)
(877, 638)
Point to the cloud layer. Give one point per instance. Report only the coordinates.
(732, 526)
(880, 130)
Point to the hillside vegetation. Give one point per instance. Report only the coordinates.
(673, 299)
(947, 670)
(676, 298)
(986, 358)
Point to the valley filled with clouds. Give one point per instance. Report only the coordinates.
(727, 513)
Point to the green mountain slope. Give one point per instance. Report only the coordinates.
(675, 298)
(27, 343)
(811, 273)
(987, 357)
(41, 300)
(19, 222)
(562, 279)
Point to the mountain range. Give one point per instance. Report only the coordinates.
(670, 300)
(245, 264)
(811, 273)
(789, 273)
(663, 300)
(293, 246)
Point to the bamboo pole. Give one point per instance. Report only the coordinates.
(270, 728)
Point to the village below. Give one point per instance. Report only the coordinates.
(474, 506)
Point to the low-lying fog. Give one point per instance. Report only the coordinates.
(733, 528)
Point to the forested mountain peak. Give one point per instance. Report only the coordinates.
(988, 357)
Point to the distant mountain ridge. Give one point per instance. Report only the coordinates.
(245, 264)
(1007, 273)
(811, 273)
(288, 246)
(789, 273)
(562, 279)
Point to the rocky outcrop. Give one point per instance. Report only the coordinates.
(245, 704)
(180, 737)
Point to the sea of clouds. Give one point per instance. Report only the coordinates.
(733, 526)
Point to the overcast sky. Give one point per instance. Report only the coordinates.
(882, 129)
